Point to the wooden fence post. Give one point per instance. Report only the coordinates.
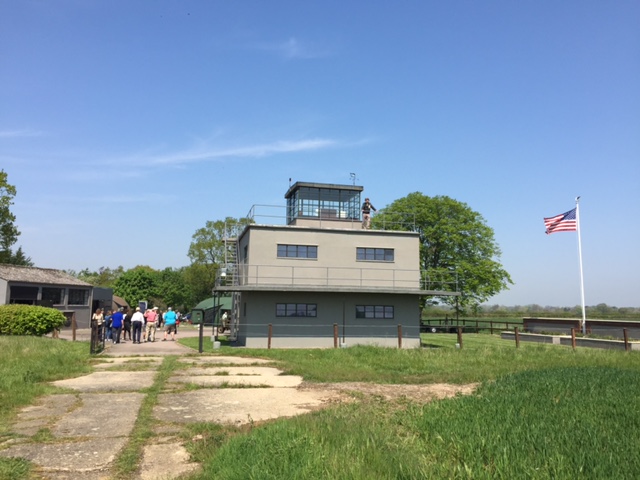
(517, 337)
(270, 332)
(460, 337)
(73, 326)
(573, 338)
(399, 336)
(335, 335)
(626, 339)
(491, 326)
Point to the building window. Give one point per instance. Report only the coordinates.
(297, 251)
(78, 297)
(375, 254)
(23, 295)
(296, 310)
(54, 296)
(374, 311)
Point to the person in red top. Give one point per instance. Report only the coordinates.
(151, 316)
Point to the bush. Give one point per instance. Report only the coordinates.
(29, 320)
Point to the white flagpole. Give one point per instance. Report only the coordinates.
(584, 312)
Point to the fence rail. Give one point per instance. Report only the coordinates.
(469, 325)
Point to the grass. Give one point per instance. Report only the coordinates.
(560, 423)
(542, 411)
(482, 358)
(25, 364)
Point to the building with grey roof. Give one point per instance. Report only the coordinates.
(47, 287)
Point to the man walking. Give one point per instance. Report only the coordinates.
(170, 324)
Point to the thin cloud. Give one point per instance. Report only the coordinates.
(292, 49)
(20, 133)
(204, 154)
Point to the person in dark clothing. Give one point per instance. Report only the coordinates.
(126, 329)
(366, 214)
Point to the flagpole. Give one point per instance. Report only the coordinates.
(584, 312)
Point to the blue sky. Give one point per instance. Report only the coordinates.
(125, 126)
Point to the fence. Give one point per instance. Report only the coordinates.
(475, 325)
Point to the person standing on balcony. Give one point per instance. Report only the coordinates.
(366, 214)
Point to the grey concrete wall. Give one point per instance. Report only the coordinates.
(4, 292)
(258, 310)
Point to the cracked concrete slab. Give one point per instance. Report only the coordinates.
(109, 381)
(236, 405)
(33, 418)
(101, 415)
(165, 460)
(82, 456)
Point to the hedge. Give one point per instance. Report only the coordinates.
(29, 320)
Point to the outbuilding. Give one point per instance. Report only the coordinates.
(48, 288)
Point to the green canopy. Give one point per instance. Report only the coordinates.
(207, 305)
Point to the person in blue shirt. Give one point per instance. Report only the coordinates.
(116, 325)
(170, 325)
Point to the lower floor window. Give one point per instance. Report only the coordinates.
(296, 310)
(78, 297)
(374, 311)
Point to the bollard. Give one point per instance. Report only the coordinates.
(460, 337)
(335, 335)
(399, 336)
(517, 337)
(269, 336)
(573, 338)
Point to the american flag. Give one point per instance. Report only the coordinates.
(565, 222)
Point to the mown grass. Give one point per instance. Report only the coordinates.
(26, 363)
(560, 423)
(483, 357)
(542, 411)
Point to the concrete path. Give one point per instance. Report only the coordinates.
(78, 433)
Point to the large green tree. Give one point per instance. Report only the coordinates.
(458, 249)
(209, 250)
(9, 232)
(139, 283)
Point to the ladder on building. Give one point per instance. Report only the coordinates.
(231, 270)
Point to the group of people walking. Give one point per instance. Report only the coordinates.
(138, 327)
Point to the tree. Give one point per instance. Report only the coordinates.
(139, 283)
(173, 290)
(8, 231)
(454, 241)
(208, 250)
(104, 277)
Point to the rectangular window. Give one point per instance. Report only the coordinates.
(55, 296)
(375, 254)
(296, 310)
(374, 311)
(78, 296)
(297, 251)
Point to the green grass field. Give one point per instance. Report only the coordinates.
(541, 412)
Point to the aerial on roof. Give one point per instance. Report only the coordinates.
(15, 273)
